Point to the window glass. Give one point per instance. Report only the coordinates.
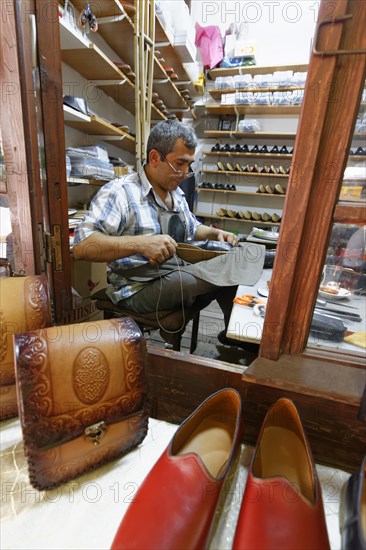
(354, 178)
(340, 310)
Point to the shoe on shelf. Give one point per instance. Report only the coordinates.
(232, 188)
(284, 150)
(226, 148)
(282, 491)
(238, 167)
(247, 215)
(225, 341)
(255, 149)
(353, 511)
(227, 187)
(240, 215)
(264, 149)
(237, 148)
(281, 170)
(215, 147)
(261, 189)
(276, 218)
(288, 169)
(221, 212)
(230, 167)
(244, 148)
(247, 168)
(279, 190)
(219, 186)
(221, 166)
(256, 216)
(274, 150)
(232, 213)
(290, 150)
(360, 151)
(269, 189)
(272, 170)
(265, 170)
(255, 169)
(179, 496)
(266, 217)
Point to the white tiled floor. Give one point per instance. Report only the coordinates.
(85, 513)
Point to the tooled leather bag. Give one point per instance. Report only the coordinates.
(82, 397)
(24, 305)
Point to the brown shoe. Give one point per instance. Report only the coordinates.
(247, 168)
(231, 213)
(222, 212)
(265, 170)
(255, 169)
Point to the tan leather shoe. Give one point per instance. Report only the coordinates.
(275, 218)
(256, 216)
(269, 189)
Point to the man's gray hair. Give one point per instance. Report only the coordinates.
(165, 134)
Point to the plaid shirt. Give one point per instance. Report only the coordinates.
(129, 206)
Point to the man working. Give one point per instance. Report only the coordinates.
(135, 222)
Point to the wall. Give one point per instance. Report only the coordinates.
(282, 29)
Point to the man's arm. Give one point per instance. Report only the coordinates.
(105, 248)
(212, 233)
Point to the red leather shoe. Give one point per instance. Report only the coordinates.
(282, 505)
(175, 506)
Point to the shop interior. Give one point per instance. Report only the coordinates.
(276, 94)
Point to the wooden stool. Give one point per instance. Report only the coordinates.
(169, 322)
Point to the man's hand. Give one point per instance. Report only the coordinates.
(225, 236)
(158, 248)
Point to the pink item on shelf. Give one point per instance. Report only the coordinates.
(209, 41)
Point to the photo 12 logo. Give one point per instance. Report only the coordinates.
(252, 12)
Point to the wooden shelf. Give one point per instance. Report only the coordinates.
(217, 93)
(237, 173)
(85, 181)
(163, 43)
(254, 69)
(253, 135)
(89, 60)
(226, 218)
(95, 126)
(251, 155)
(252, 109)
(242, 192)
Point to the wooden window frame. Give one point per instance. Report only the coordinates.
(322, 146)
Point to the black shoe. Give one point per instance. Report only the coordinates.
(360, 151)
(352, 511)
(232, 188)
(269, 257)
(225, 341)
(244, 148)
(237, 148)
(255, 149)
(264, 149)
(284, 150)
(274, 149)
(216, 147)
(226, 148)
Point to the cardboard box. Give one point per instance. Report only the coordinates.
(88, 277)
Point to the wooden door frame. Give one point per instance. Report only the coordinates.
(321, 149)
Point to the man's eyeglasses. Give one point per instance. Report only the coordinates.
(179, 173)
